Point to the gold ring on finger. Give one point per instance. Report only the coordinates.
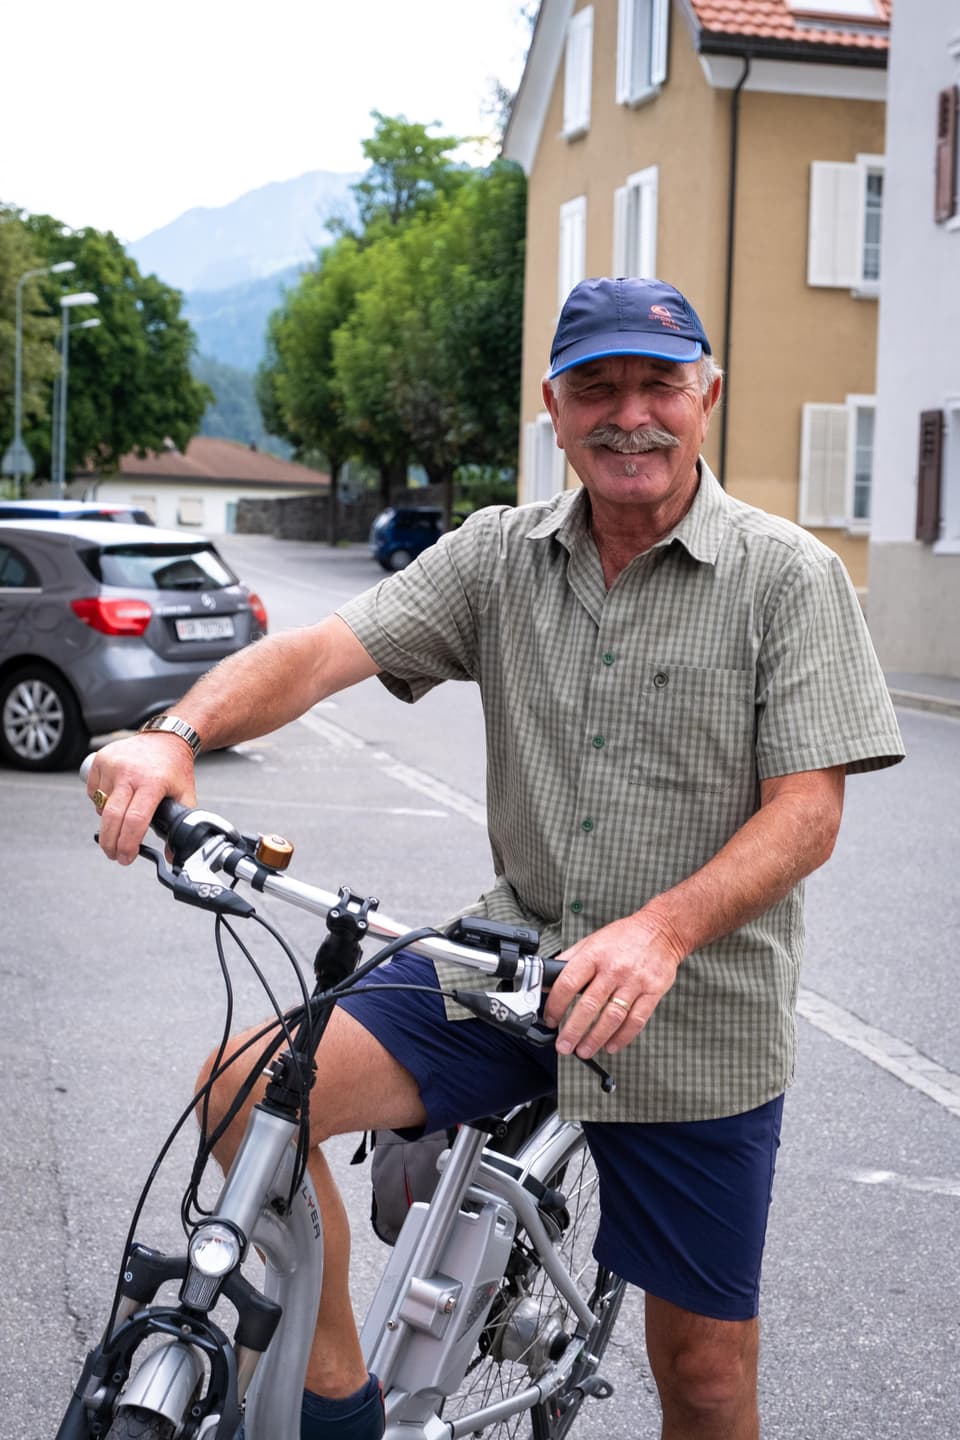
(621, 1004)
(99, 798)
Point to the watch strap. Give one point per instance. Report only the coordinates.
(173, 725)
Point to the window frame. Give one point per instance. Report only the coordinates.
(578, 74)
(831, 184)
(807, 515)
(539, 465)
(633, 88)
(571, 260)
(641, 188)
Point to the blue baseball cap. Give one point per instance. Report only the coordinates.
(604, 317)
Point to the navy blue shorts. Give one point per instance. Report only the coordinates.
(683, 1205)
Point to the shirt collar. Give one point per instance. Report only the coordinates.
(700, 532)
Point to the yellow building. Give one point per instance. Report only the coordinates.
(734, 149)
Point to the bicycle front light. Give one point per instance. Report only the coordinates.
(214, 1250)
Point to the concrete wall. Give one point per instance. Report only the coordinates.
(915, 588)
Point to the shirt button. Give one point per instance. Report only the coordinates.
(598, 742)
(576, 906)
(586, 824)
(660, 679)
(608, 658)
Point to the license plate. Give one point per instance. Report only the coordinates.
(213, 627)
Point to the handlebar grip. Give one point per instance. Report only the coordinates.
(552, 970)
(167, 816)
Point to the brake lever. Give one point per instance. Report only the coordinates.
(205, 894)
(494, 1009)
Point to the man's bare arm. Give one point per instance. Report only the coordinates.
(251, 693)
(635, 959)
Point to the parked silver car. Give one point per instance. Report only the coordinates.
(103, 625)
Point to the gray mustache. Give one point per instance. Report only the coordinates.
(631, 442)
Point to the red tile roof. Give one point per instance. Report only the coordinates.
(213, 460)
(775, 20)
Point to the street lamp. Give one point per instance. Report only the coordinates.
(67, 302)
(18, 462)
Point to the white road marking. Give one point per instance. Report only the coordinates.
(925, 1184)
(898, 1057)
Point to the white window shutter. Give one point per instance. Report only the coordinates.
(836, 204)
(621, 198)
(578, 72)
(659, 41)
(626, 19)
(824, 454)
(647, 201)
(573, 247)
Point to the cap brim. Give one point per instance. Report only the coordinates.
(626, 342)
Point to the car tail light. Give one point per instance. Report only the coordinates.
(259, 611)
(113, 617)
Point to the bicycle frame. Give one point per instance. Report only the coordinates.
(435, 1292)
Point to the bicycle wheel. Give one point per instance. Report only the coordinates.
(530, 1322)
(136, 1424)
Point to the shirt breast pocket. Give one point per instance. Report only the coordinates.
(695, 729)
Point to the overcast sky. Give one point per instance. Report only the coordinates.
(122, 114)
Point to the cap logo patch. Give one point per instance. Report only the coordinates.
(661, 313)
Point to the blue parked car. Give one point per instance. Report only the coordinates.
(401, 532)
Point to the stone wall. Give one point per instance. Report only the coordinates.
(307, 517)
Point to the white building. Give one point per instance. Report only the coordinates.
(914, 558)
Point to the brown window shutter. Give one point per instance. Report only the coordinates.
(948, 104)
(928, 488)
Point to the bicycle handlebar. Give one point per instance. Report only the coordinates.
(188, 833)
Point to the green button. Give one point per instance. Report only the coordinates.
(587, 824)
(576, 906)
(608, 658)
(598, 742)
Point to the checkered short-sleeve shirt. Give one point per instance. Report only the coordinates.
(628, 731)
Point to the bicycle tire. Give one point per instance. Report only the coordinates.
(135, 1424)
(504, 1362)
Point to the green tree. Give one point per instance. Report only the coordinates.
(130, 381)
(409, 171)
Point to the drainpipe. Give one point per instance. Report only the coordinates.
(731, 238)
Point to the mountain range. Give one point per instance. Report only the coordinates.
(233, 263)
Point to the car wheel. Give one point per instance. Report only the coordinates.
(399, 559)
(41, 727)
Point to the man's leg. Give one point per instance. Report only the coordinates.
(359, 1086)
(706, 1373)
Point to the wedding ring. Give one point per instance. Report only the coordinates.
(622, 1004)
(99, 798)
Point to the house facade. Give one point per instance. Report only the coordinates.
(200, 488)
(915, 537)
(736, 150)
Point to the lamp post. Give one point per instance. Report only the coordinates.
(18, 461)
(67, 302)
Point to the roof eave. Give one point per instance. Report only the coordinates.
(762, 47)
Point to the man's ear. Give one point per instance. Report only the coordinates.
(549, 401)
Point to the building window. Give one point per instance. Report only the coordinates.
(190, 510)
(544, 463)
(947, 155)
(846, 223)
(642, 36)
(635, 224)
(836, 465)
(578, 70)
(573, 247)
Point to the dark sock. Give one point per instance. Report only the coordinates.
(355, 1417)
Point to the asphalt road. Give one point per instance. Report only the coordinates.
(111, 995)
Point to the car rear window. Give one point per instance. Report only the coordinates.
(159, 567)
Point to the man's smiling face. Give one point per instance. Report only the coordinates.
(632, 428)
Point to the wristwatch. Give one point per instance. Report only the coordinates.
(174, 726)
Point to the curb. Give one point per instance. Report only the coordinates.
(939, 704)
